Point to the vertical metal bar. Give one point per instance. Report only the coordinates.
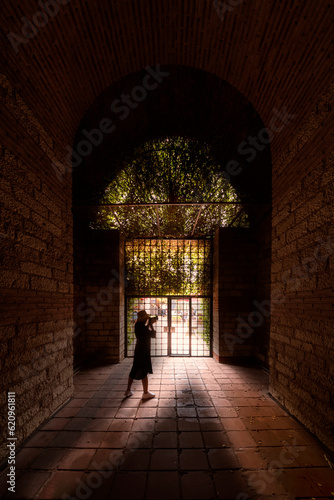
(169, 325)
(126, 327)
(157, 210)
(199, 213)
(190, 324)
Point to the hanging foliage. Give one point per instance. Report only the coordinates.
(168, 267)
(170, 171)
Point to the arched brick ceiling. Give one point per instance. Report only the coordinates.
(276, 53)
(187, 102)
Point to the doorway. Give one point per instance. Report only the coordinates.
(183, 327)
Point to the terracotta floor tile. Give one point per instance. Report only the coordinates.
(168, 424)
(230, 485)
(106, 413)
(163, 459)
(210, 424)
(89, 440)
(280, 456)
(167, 394)
(98, 424)
(186, 412)
(56, 424)
(264, 483)
(143, 424)
(185, 402)
(129, 485)
(310, 456)
(165, 440)
(269, 411)
(299, 482)
(140, 440)
(197, 485)
(168, 402)
(323, 478)
(285, 422)
(62, 483)
(67, 412)
(188, 424)
(191, 440)
(221, 402)
(150, 403)
(28, 485)
(106, 459)
(251, 458)
(87, 412)
(135, 459)
(76, 402)
(215, 439)
(241, 439)
(248, 411)
(94, 403)
(207, 412)
(85, 394)
(296, 437)
(126, 413)
(76, 460)
(193, 460)
(146, 412)
(121, 424)
(48, 459)
(77, 424)
(223, 459)
(166, 412)
(42, 438)
(26, 456)
(104, 438)
(203, 402)
(113, 439)
(233, 424)
(96, 485)
(163, 486)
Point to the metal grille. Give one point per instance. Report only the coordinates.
(200, 326)
(153, 306)
(183, 327)
(168, 267)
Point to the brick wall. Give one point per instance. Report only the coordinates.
(302, 343)
(263, 287)
(99, 302)
(36, 269)
(234, 289)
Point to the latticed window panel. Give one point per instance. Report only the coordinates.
(154, 306)
(182, 329)
(168, 267)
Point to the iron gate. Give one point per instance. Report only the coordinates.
(171, 279)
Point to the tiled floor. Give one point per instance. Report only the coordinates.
(212, 431)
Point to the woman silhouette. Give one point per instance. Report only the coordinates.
(142, 365)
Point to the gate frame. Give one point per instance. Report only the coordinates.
(170, 297)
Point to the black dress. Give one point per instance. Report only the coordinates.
(142, 357)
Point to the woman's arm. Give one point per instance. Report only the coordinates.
(152, 331)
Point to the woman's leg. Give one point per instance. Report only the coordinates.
(130, 380)
(145, 384)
